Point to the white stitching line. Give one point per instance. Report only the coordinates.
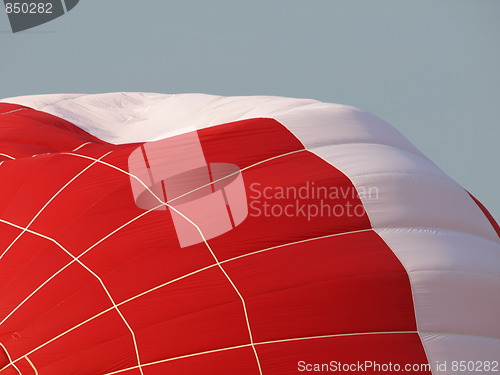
(297, 242)
(49, 201)
(185, 276)
(13, 158)
(91, 272)
(79, 147)
(262, 343)
(10, 360)
(15, 110)
(8, 156)
(31, 364)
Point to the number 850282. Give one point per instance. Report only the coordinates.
(28, 8)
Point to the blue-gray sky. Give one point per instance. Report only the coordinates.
(431, 68)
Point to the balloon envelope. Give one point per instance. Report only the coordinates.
(182, 234)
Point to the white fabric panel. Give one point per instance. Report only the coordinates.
(443, 349)
(412, 191)
(437, 249)
(455, 279)
(458, 302)
(368, 158)
(322, 124)
(407, 200)
(40, 101)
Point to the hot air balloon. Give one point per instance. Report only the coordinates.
(151, 234)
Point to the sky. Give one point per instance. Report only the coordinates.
(430, 68)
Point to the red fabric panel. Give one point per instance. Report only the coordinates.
(103, 345)
(247, 142)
